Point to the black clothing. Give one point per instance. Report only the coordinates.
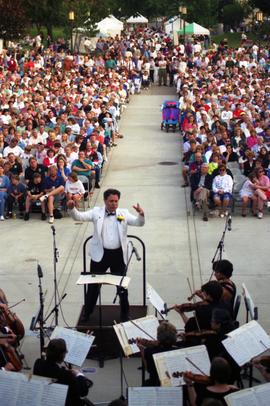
(203, 315)
(77, 386)
(249, 167)
(112, 259)
(195, 180)
(29, 172)
(35, 188)
(150, 364)
(203, 393)
(232, 158)
(16, 169)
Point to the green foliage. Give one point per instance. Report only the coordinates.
(12, 24)
(233, 14)
(203, 12)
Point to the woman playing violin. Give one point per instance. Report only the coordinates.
(166, 341)
(217, 388)
(211, 294)
(223, 270)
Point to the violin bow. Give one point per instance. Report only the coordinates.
(194, 301)
(140, 328)
(195, 366)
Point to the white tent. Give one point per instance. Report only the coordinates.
(139, 19)
(194, 29)
(173, 24)
(110, 26)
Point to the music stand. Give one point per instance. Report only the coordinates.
(251, 314)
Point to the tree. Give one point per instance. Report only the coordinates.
(47, 13)
(12, 24)
(233, 14)
(204, 12)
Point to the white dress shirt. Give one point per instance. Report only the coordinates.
(110, 233)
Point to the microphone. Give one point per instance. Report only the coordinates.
(230, 223)
(53, 229)
(134, 249)
(39, 271)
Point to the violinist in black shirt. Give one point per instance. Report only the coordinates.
(51, 367)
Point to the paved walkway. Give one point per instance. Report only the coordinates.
(178, 245)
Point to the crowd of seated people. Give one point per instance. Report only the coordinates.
(58, 120)
(225, 116)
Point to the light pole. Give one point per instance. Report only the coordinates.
(71, 18)
(259, 18)
(183, 12)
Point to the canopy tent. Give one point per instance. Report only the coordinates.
(173, 24)
(194, 29)
(110, 26)
(138, 19)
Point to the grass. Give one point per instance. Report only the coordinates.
(234, 38)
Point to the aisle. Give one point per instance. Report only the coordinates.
(136, 171)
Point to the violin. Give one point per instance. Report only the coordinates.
(143, 341)
(190, 307)
(199, 334)
(198, 378)
(13, 322)
(10, 355)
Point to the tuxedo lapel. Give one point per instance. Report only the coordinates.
(100, 220)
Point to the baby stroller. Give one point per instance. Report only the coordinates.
(170, 115)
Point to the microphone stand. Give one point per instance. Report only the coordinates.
(41, 311)
(220, 247)
(55, 309)
(55, 260)
(124, 274)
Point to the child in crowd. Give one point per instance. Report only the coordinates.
(16, 194)
(35, 189)
(74, 189)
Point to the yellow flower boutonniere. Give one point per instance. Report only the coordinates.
(120, 218)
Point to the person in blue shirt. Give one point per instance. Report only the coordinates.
(54, 188)
(16, 194)
(4, 184)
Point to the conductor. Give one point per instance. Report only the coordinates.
(109, 244)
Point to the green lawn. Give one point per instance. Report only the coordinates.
(234, 38)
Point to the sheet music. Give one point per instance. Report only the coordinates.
(104, 279)
(155, 300)
(128, 331)
(148, 324)
(78, 344)
(256, 396)
(54, 395)
(176, 361)
(250, 301)
(17, 390)
(155, 396)
(246, 342)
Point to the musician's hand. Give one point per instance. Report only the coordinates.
(9, 367)
(3, 307)
(70, 204)
(138, 209)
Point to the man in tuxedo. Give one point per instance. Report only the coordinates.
(78, 384)
(109, 245)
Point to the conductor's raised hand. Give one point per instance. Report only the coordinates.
(71, 204)
(138, 209)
